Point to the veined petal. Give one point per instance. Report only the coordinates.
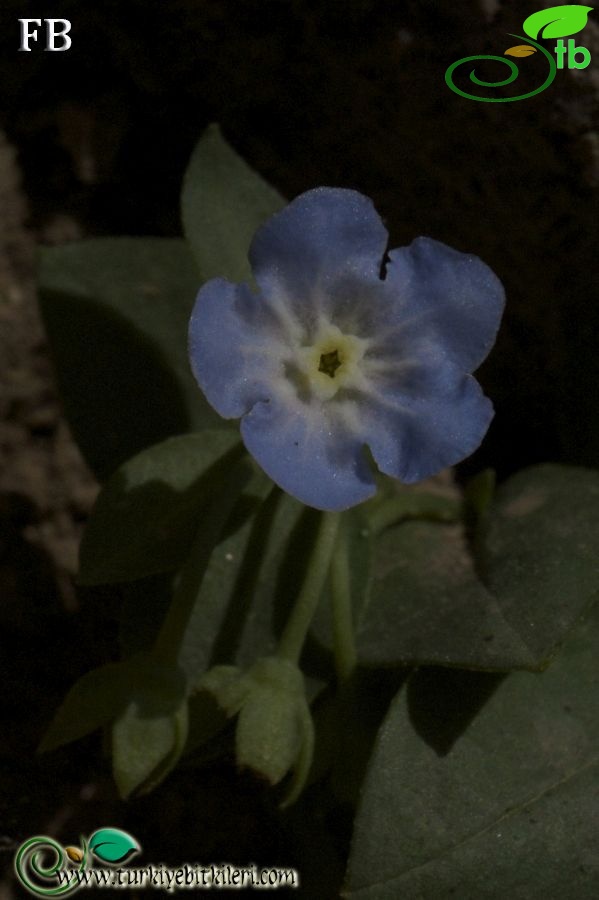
(451, 298)
(323, 235)
(236, 347)
(306, 455)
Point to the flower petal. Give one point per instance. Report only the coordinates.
(322, 235)
(307, 456)
(235, 347)
(416, 333)
(452, 298)
(413, 437)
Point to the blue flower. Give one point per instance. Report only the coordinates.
(338, 351)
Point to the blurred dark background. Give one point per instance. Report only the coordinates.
(95, 141)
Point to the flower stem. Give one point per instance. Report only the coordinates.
(343, 629)
(296, 629)
(414, 505)
(172, 633)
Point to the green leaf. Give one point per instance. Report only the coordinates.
(93, 701)
(541, 552)
(223, 203)
(236, 618)
(153, 594)
(250, 587)
(427, 605)
(232, 617)
(278, 579)
(116, 311)
(535, 572)
(145, 701)
(217, 616)
(343, 749)
(146, 516)
(113, 845)
(246, 594)
(207, 621)
(557, 21)
(150, 735)
(507, 808)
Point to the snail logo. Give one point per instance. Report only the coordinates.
(47, 869)
(556, 22)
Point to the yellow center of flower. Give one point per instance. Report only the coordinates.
(332, 362)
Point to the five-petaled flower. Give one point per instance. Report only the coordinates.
(342, 348)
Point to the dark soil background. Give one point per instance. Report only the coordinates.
(95, 141)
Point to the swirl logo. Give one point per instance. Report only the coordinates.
(37, 864)
(47, 869)
(556, 22)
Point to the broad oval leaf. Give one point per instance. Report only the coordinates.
(520, 50)
(147, 514)
(534, 573)
(116, 311)
(102, 695)
(113, 845)
(506, 808)
(223, 202)
(541, 559)
(93, 701)
(557, 21)
(428, 605)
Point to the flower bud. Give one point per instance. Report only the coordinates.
(274, 729)
(272, 726)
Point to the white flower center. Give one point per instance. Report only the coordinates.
(331, 362)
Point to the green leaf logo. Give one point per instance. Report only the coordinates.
(557, 21)
(112, 845)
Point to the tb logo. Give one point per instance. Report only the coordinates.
(555, 22)
(56, 30)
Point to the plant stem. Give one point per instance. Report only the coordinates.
(171, 635)
(416, 505)
(343, 629)
(296, 629)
